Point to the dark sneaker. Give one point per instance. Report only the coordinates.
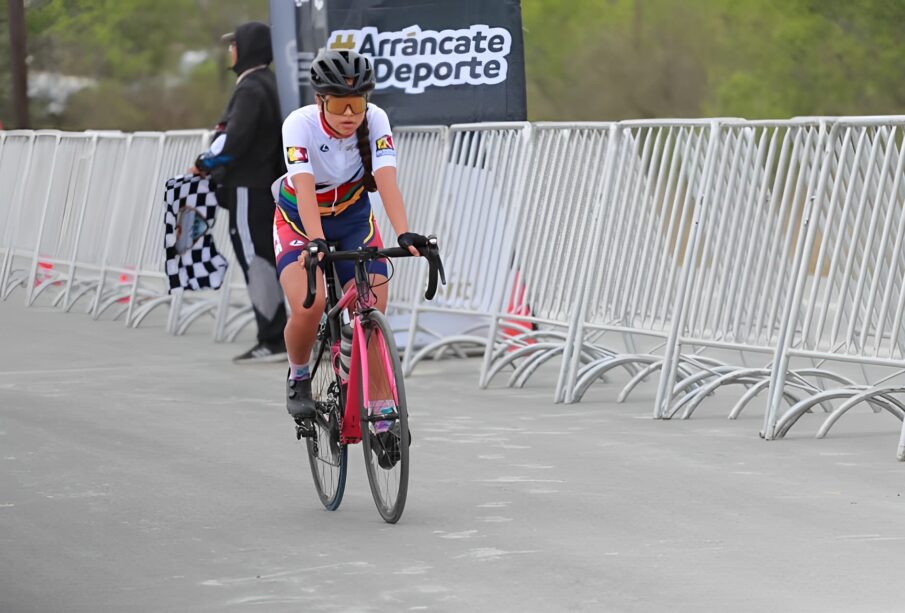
(386, 446)
(262, 354)
(299, 402)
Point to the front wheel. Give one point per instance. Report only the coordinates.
(385, 433)
(326, 454)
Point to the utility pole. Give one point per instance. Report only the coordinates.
(19, 69)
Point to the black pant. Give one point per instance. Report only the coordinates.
(251, 231)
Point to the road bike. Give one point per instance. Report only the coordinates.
(356, 382)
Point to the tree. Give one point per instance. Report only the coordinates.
(614, 59)
(813, 57)
(6, 84)
(133, 50)
(585, 59)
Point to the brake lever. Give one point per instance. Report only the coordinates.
(440, 269)
(311, 267)
(434, 253)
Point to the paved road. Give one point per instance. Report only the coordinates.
(141, 472)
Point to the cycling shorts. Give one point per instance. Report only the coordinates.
(353, 228)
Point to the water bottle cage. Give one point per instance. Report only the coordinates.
(345, 351)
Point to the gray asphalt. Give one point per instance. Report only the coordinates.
(144, 472)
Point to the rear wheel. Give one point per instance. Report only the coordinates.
(384, 430)
(327, 456)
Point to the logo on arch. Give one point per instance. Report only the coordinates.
(413, 60)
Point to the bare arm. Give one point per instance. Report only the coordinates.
(392, 201)
(307, 202)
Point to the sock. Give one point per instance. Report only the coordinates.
(299, 372)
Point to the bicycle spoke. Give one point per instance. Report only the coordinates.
(326, 456)
(385, 434)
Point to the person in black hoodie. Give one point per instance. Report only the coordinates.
(243, 160)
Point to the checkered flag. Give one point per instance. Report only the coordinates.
(192, 260)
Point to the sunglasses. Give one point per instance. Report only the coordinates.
(338, 105)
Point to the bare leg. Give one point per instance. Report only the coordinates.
(301, 328)
(379, 385)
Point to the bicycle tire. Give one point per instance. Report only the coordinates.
(389, 485)
(327, 455)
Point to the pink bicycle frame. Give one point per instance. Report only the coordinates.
(359, 375)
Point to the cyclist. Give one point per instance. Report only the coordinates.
(336, 152)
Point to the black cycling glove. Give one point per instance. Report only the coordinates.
(409, 239)
(320, 244)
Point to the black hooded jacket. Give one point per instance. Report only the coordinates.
(252, 122)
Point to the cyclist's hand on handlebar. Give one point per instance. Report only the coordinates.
(315, 250)
(315, 247)
(427, 247)
(411, 241)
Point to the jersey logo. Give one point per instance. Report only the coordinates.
(324, 148)
(296, 155)
(384, 145)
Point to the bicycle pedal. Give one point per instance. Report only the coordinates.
(304, 429)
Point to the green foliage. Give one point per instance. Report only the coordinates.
(751, 58)
(129, 39)
(133, 50)
(586, 59)
(6, 84)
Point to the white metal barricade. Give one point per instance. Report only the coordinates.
(474, 217)
(150, 286)
(653, 246)
(544, 282)
(764, 175)
(60, 211)
(87, 256)
(135, 195)
(69, 248)
(25, 213)
(849, 295)
(15, 154)
(422, 153)
(639, 266)
(14, 148)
